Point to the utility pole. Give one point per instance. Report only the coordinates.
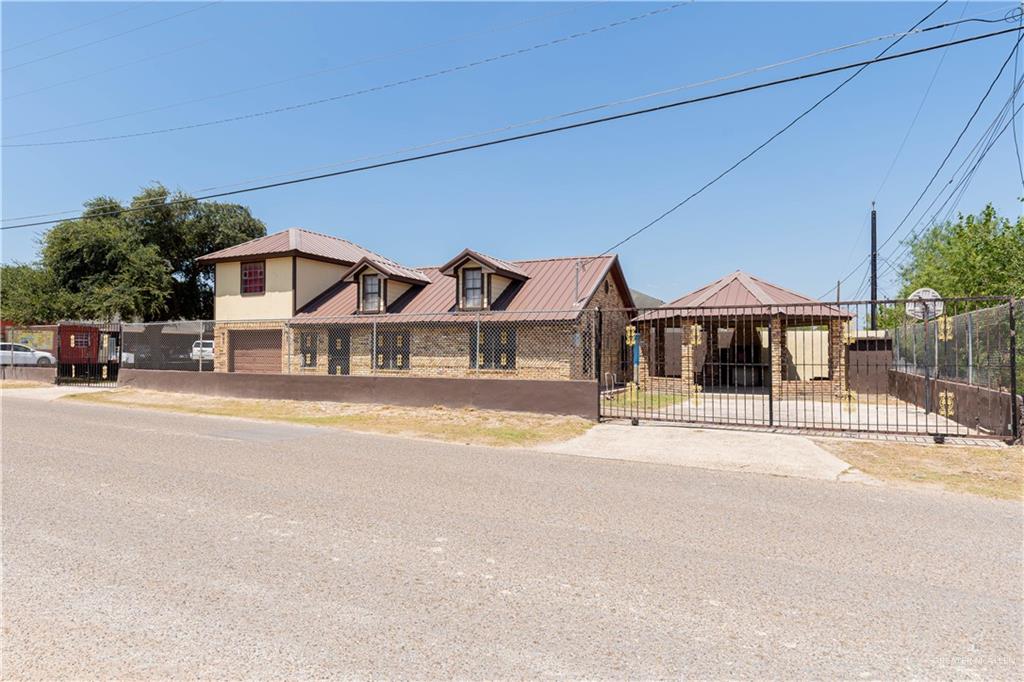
(874, 267)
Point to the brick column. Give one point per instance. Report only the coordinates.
(837, 355)
(778, 332)
(220, 348)
(643, 369)
(686, 362)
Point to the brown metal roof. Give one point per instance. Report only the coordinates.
(549, 293)
(740, 294)
(387, 267)
(499, 266)
(293, 241)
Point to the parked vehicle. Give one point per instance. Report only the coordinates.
(202, 350)
(18, 354)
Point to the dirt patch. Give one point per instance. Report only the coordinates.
(6, 384)
(989, 471)
(458, 425)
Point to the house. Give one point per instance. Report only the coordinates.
(743, 334)
(302, 302)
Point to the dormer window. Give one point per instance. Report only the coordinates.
(371, 294)
(472, 288)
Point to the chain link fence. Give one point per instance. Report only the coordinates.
(970, 347)
(554, 345)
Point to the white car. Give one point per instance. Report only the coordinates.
(18, 354)
(202, 350)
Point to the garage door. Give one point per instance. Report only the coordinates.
(255, 350)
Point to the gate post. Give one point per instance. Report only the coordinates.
(771, 374)
(1014, 405)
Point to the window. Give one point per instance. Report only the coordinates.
(371, 294)
(253, 278)
(308, 342)
(497, 347)
(472, 288)
(393, 349)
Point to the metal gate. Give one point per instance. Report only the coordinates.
(951, 371)
(88, 353)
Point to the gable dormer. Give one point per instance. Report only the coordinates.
(380, 282)
(480, 279)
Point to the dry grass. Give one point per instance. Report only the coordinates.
(462, 425)
(6, 384)
(990, 471)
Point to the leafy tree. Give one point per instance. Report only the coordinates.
(136, 265)
(978, 255)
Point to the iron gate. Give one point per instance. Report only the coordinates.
(88, 353)
(822, 367)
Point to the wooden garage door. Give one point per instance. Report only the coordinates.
(255, 350)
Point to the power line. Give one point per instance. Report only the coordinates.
(576, 7)
(1016, 144)
(949, 153)
(70, 28)
(111, 37)
(880, 56)
(975, 157)
(333, 98)
(532, 122)
(558, 129)
(978, 154)
(917, 114)
(180, 48)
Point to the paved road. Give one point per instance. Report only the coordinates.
(141, 545)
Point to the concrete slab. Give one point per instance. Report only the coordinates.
(48, 392)
(764, 453)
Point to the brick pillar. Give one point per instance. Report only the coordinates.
(837, 355)
(686, 363)
(220, 348)
(778, 332)
(643, 369)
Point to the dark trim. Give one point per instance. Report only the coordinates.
(295, 289)
(203, 260)
(490, 301)
(241, 279)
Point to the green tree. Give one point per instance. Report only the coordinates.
(978, 255)
(136, 265)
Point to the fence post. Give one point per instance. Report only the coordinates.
(476, 344)
(291, 350)
(1014, 405)
(771, 376)
(373, 348)
(970, 347)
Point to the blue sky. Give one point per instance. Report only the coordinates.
(795, 214)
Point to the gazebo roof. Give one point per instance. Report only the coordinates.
(740, 294)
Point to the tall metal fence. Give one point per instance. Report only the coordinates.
(822, 366)
(970, 347)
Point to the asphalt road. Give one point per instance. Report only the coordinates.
(141, 545)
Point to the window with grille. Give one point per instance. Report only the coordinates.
(497, 345)
(393, 349)
(253, 277)
(371, 294)
(308, 342)
(472, 288)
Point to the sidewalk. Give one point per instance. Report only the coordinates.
(763, 453)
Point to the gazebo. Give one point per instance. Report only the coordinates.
(745, 335)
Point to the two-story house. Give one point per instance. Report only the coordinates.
(303, 302)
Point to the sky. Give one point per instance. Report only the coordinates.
(796, 214)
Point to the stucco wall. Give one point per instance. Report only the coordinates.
(313, 277)
(274, 304)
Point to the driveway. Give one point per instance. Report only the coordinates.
(722, 449)
(141, 545)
